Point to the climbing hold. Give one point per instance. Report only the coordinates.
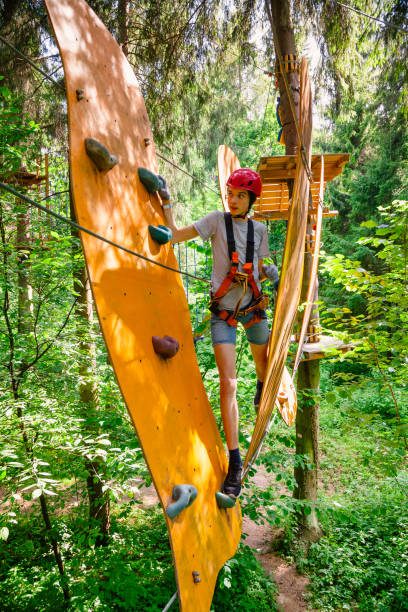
(282, 397)
(224, 500)
(146, 142)
(183, 496)
(161, 233)
(79, 94)
(100, 155)
(166, 347)
(149, 179)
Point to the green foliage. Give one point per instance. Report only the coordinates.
(134, 572)
(361, 562)
(18, 132)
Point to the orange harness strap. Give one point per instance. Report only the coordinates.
(235, 278)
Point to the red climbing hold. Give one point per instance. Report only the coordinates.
(166, 347)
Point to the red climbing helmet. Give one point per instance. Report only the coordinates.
(246, 179)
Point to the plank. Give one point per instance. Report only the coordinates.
(291, 278)
(227, 162)
(313, 274)
(136, 300)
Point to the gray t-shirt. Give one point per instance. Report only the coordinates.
(213, 226)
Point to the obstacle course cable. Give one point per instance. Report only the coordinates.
(33, 64)
(95, 235)
(386, 23)
(195, 178)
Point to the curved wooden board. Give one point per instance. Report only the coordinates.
(290, 280)
(227, 162)
(288, 408)
(136, 300)
(313, 272)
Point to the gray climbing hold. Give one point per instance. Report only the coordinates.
(224, 500)
(183, 496)
(100, 155)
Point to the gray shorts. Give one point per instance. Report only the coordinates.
(222, 333)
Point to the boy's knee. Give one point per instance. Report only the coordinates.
(228, 384)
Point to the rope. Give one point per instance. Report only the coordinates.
(289, 94)
(167, 607)
(33, 64)
(91, 233)
(195, 178)
(386, 23)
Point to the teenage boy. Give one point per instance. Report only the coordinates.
(239, 246)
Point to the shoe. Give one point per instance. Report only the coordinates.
(257, 398)
(232, 483)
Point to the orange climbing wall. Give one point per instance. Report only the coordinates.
(136, 300)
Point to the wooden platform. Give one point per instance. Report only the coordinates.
(274, 171)
(324, 348)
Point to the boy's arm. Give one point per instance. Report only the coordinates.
(179, 235)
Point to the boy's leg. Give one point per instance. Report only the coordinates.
(225, 360)
(260, 357)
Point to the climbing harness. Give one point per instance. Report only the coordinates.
(243, 279)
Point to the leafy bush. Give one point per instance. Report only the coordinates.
(362, 561)
(134, 572)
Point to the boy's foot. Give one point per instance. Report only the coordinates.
(232, 483)
(257, 398)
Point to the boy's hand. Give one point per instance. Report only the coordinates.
(163, 191)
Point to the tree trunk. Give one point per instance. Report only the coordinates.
(123, 17)
(279, 15)
(99, 506)
(23, 246)
(307, 428)
(307, 420)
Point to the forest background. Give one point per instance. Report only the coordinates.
(73, 529)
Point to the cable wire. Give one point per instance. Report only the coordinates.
(195, 178)
(33, 64)
(386, 23)
(95, 235)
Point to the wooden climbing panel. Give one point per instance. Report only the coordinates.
(227, 162)
(291, 275)
(274, 171)
(136, 300)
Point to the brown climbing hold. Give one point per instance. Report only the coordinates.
(100, 155)
(79, 94)
(166, 347)
(282, 397)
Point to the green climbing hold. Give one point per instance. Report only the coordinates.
(224, 500)
(183, 496)
(160, 234)
(149, 179)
